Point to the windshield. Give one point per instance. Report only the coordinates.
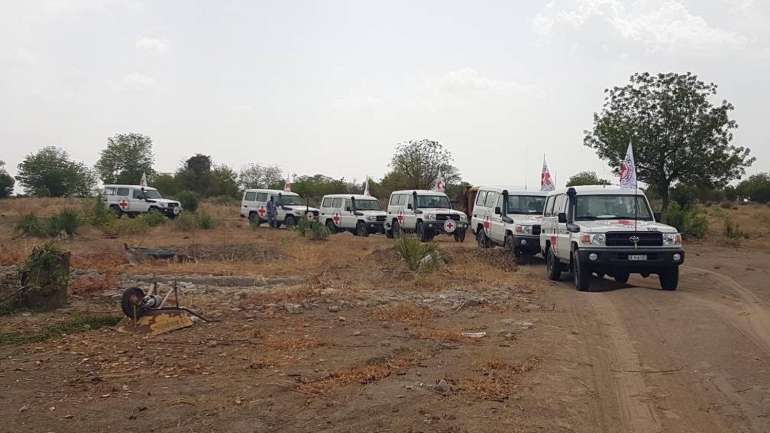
(367, 205)
(607, 207)
(436, 201)
(291, 200)
(152, 193)
(526, 204)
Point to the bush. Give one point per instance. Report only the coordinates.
(312, 229)
(67, 222)
(419, 256)
(185, 222)
(31, 225)
(205, 221)
(153, 219)
(189, 200)
(733, 230)
(98, 214)
(690, 222)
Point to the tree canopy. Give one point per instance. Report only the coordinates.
(678, 135)
(50, 173)
(419, 163)
(755, 188)
(6, 182)
(586, 178)
(259, 176)
(125, 159)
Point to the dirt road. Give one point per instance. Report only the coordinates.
(357, 343)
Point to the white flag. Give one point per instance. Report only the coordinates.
(143, 181)
(628, 169)
(287, 185)
(546, 181)
(440, 184)
(366, 186)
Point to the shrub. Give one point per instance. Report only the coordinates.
(733, 230)
(205, 221)
(312, 229)
(185, 222)
(31, 225)
(153, 219)
(67, 222)
(97, 213)
(189, 200)
(419, 256)
(690, 222)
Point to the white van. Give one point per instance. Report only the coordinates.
(133, 200)
(356, 213)
(290, 206)
(426, 213)
(509, 217)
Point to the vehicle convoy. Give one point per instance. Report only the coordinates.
(290, 207)
(508, 217)
(133, 200)
(355, 213)
(426, 213)
(607, 230)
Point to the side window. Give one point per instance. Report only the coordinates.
(262, 196)
(558, 208)
(327, 202)
(251, 196)
(123, 192)
(548, 208)
(400, 200)
(136, 194)
(499, 201)
(348, 204)
(482, 195)
(393, 199)
(337, 203)
(109, 191)
(491, 199)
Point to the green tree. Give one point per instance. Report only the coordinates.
(586, 178)
(125, 159)
(195, 174)
(259, 176)
(6, 182)
(316, 186)
(50, 173)
(166, 183)
(677, 133)
(419, 163)
(223, 182)
(755, 188)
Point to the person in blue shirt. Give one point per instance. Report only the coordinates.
(272, 210)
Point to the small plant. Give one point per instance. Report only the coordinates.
(65, 222)
(189, 200)
(153, 219)
(45, 277)
(419, 256)
(31, 225)
(98, 214)
(185, 222)
(733, 230)
(690, 222)
(205, 221)
(311, 229)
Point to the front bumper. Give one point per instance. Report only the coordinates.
(438, 226)
(527, 244)
(375, 226)
(171, 211)
(614, 259)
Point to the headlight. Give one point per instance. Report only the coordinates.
(598, 239)
(371, 218)
(672, 239)
(462, 217)
(526, 230)
(430, 217)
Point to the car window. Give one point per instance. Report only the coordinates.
(548, 210)
(337, 203)
(491, 199)
(559, 206)
(399, 200)
(262, 196)
(482, 195)
(347, 204)
(123, 192)
(109, 191)
(327, 202)
(251, 196)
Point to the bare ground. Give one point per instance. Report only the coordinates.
(339, 336)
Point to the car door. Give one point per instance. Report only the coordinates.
(247, 204)
(498, 226)
(479, 212)
(490, 218)
(546, 227)
(337, 212)
(349, 218)
(136, 202)
(562, 235)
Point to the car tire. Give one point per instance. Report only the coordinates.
(290, 221)
(395, 229)
(621, 277)
(552, 265)
(389, 233)
(580, 274)
(669, 279)
(361, 229)
(131, 301)
(116, 211)
(459, 236)
(481, 239)
(422, 232)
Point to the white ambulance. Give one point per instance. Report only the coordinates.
(133, 200)
(356, 213)
(426, 213)
(290, 207)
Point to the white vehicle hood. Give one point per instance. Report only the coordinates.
(164, 201)
(623, 225)
(441, 211)
(526, 219)
(300, 208)
(373, 212)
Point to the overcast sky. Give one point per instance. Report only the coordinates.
(332, 86)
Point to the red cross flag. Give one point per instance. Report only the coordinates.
(287, 185)
(440, 184)
(546, 181)
(628, 169)
(366, 186)
(143, 180)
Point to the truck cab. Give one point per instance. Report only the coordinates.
(607, 230)
(133, 200)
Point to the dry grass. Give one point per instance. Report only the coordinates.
(753, 220)
(402, 312)
(93, 283)
(496, 379)
(363, 375)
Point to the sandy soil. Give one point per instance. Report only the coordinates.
(339, 336)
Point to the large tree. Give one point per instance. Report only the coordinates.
(195, 175)
(586, 178)
(678, 134)
(50, 173)
(755, 188)
(419, 163)
(259, 176)
(126, 158)
(6, 182)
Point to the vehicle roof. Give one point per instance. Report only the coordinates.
(600, 190)
(419, 192)
(114, 185)
(356, 196)
(271, 191)
(512, 190)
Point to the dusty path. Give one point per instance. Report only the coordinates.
(694, 360)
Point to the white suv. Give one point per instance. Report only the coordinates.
(607, 230)
(426, 213)
(356, 213)
(290, 207)
(132, 200)
(508, 217)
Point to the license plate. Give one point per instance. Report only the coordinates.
(637, 257)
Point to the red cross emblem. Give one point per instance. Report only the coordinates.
(487, 223)
(400, 216)
(555, 242)
(123, 204)
(261, 211)
(336, 218)
(449, 226)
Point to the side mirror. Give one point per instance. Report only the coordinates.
(562, 217)
(658, 216)
(573, 228)
(497, 210)
(409, 205)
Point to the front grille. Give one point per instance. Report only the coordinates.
(623, 239)
(381, 217)
(315, 212)
(536, 229)
(446, 216)
(172, 205)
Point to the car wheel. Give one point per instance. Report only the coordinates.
(459, 236)
(552, 265)
(481, 239)
(131, 302)
(395, 228)
(254, 219)
(669, 279)
(422, 232)
(580, 274)
(621, 277)
(290, 221)
(361, 229)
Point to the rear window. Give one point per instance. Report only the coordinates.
(337, 203)
(251, 196)
(262, 196)
(327, 202)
